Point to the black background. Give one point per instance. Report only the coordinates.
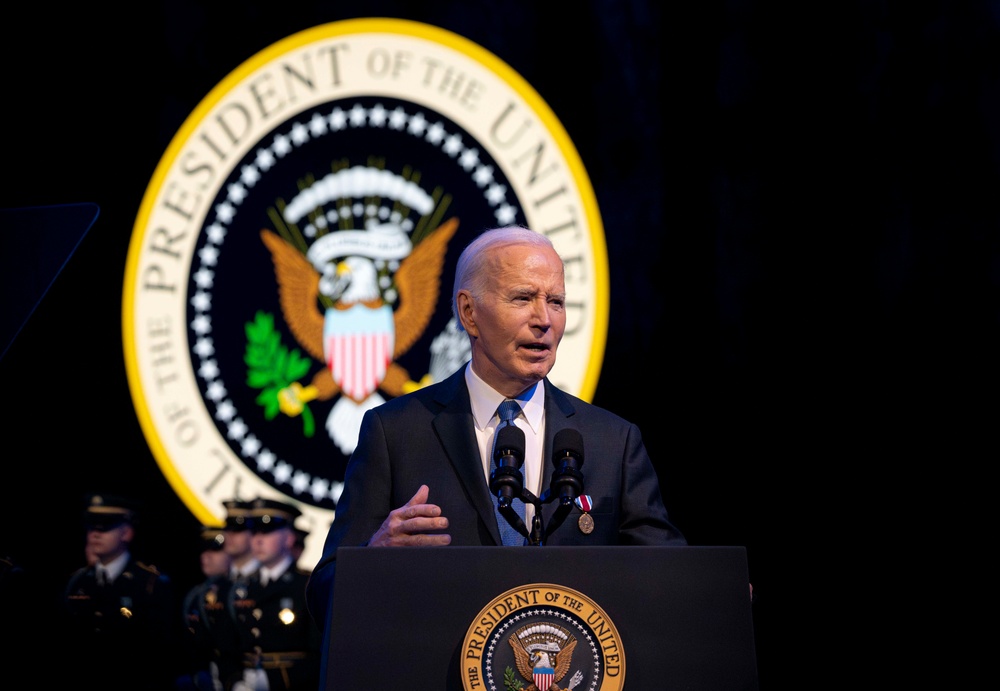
(801, 218)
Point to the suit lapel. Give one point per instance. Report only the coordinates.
(456, 430)
(559, 412)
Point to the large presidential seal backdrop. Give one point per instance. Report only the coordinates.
(292, 259)
(800, 230)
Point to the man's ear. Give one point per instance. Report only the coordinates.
(466, 311)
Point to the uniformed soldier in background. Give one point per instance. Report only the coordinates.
(237, 540)
(212, 643)
(281, 643)
(121, 624)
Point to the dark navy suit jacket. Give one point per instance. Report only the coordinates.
(428, 437)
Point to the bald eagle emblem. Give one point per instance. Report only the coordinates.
(543, 653)
(357, 298)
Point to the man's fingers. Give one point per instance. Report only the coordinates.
(430, 540)
(418, 506)
(418, 540)
(410, 523)
(408, 513)
(420, 497)
(423, 524)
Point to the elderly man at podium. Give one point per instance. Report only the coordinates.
(439, 466)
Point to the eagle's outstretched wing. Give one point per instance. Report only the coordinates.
(564, 659)
(298, 288)
(419, 281)
(521, 657)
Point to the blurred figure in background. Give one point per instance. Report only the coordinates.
(212, 651)
(281, 643)
(236, 541)
(121, 626)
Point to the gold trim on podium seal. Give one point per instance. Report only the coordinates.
(542, 636)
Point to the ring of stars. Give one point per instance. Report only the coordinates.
(501, 629)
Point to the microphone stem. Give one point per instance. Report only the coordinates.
(536, 528)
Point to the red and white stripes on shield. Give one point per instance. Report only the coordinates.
(358, 362)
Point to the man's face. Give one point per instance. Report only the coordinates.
(106, 544)
(270, 548)
(519, 320)
(214, 562)
(237, 543)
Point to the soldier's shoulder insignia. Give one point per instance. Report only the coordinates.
(148, 568)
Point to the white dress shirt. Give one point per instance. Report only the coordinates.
(237, 573)
(107, 573)
(485, 400)
(267, 575)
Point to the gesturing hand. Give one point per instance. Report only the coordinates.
(409, 524)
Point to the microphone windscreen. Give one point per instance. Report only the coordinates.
(567, 442)
(509, 442)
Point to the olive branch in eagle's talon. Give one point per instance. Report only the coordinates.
(275, 370)
(510, 681)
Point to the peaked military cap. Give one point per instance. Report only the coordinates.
(106, 512)
(270, 514)
(237, 515)
(212, 538)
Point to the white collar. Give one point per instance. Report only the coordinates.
(245, 570)
(113, 569)
(485, 400)
(274, 573)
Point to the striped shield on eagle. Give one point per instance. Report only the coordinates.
(358, 346)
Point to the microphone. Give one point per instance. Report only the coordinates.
(506, 481)
(567, 480)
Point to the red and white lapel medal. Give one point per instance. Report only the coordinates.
(586, 522)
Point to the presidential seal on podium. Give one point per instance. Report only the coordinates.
(542, 637)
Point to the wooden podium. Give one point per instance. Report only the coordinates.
(629, 617)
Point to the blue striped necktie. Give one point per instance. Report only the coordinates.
(507, 411)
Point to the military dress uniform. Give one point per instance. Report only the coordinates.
(239, 520)
(278, 636)
(120, 623)
(123, 634)
(212, 641)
